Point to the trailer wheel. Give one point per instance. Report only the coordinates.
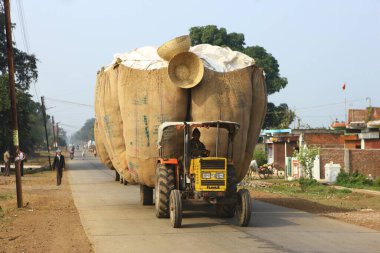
(117, 176)
(164, 184)
(225, 210)
(146, 195)
(175, 207)
(243, 207)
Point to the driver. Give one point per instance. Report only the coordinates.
(197, 148)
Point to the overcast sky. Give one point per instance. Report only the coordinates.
(319, 45)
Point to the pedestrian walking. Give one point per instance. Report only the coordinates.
(22, 158)
(83, 154)
(59, 165)
(7, 162)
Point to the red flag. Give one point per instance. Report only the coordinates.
(344, 86)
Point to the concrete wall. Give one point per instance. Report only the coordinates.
(365, 161)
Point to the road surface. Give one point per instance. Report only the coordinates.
(115, 221)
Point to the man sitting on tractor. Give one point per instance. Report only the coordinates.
(197, 148)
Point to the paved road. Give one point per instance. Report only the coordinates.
(115, 222)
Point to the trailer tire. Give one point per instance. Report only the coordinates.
(164, 184)
(146, 195)
(175, 207)
(243, 207)
(117, 176)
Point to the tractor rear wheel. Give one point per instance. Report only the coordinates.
(164, 184)
(146, 195)
(243, 207)
(175, 207)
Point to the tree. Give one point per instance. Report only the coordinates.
(86, 133)
(306, 156)
(280, 116)
(29, 116)
(25, 64)
(213, 35)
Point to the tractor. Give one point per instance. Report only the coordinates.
(199, 176)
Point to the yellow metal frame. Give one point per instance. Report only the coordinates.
(195, 169)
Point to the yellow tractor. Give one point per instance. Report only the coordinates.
(196, 175)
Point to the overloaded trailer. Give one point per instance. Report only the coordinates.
(148, 101)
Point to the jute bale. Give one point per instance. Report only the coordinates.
(258, 111)
(230, 96)
(100, 79)
(147, 98)
(101, 149)
(111, 121)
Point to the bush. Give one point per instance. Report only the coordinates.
(306, 183)
(260, 156)
(376, 182)
(355, 179)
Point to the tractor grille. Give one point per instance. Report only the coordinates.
(212, 182)
(213, 164)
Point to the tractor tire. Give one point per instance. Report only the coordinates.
(125, 182)
(225, 210)
(175, 206)
(117, 176)
(164, 184)
(146, 195)
(243, 207)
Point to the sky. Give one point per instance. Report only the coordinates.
(319, 45)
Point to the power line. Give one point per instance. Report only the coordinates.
(69, 102)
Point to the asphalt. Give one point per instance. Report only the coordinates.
(114, 221)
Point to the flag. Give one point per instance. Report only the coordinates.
(344, 86)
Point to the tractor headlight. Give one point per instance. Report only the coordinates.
(206, 175)
(219, 175)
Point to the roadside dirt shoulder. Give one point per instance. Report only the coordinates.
(358, 214)
(49, 222)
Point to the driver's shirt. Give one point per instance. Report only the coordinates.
(196, 146)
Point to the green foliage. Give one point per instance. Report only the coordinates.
(213, 35)
(306, 183)
(260, 156)
(306, 156)
(86, 133)
(30, 123)
(356, 180)
(277, 117)
(376, 182)
(25, 64)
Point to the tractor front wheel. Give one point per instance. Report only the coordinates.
(164, 184)
(175, 207)
(243, 207)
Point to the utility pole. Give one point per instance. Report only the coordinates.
(57, 133)
(52, 119)
(12, 95)
(46, 133)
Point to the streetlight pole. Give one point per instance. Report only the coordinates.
(12, 95)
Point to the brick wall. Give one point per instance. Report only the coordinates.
(365, 161)
(324, 140)
(327, 155)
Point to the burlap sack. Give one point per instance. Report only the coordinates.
(147, 98)
(101, 149)
(100, 80)
(258, 111)
(111, 122)
(237, 96)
